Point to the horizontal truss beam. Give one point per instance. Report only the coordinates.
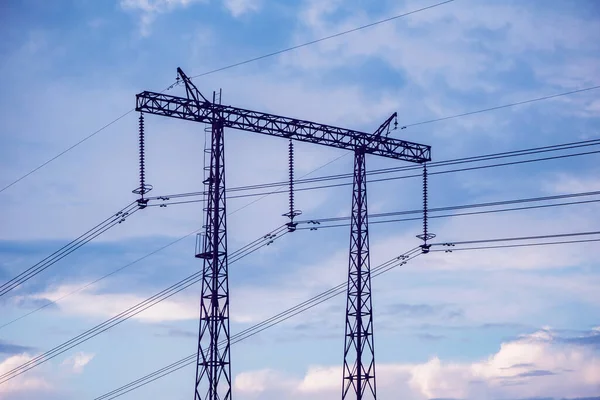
(275, 125)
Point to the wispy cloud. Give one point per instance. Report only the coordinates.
(78, 361)
(241, 7)
(93, 304)
(34, 384)
(150, 9)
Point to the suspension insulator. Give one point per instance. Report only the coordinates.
(292, 213)
(426, 235)
(425, 222)
(142, 153)
(291, 170)
(144, 188)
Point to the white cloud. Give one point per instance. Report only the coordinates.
(571, 183)
(439, 46)
(539, 365)
(88, 303)
(241, 7)
(149, 9)
(30, 383)
(78, 361)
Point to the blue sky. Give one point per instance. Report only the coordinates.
(494, 324)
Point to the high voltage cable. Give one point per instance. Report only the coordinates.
(149, 254)
(387, 221)
(290, 49)
(153, 252)
(67, 249)
(138, 308)
(125, 315)
(503, 106)
(507, 246)
(97, 280)
(166, 198)
(272, 321)
(476, 157)
(443, 171)
(177, 365)
(206, 73)
(275, 53)
(512, 239)
(222, 69)
(377, 215)
(66, 150)
(464, 206)
(434, 164)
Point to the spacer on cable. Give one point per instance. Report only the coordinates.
(143, 189)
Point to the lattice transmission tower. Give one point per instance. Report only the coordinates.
(213, 372)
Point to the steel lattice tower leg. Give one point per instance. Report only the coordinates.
(359, 351)
(213, 368)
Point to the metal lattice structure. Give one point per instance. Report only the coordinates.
(213, 364)
(213, 374)
(359, 349)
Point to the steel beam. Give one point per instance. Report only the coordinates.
(275, 125)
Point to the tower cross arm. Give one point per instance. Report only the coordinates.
(275, 125)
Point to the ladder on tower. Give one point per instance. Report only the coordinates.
(201, 237)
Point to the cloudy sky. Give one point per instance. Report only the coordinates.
(505, 323)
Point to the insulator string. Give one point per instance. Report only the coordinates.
(142, 156)
(425, 208)
(291, 167)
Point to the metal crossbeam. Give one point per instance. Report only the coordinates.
(275, 125)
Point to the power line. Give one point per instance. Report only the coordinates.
(474, 205)
(66, 150)
(222, 69)
(163, 295)
(79, 289)
(290, 49)
(512, 239)
(387, 221)
(270, 322)
(189, 360)
(518, 103)
(166, 198)
(138, 308)
(526, 160)
(435, 164)
(151, 253)
(374, 222)
(64, 251)
(507, 246)
(278, 52)
(124, 316)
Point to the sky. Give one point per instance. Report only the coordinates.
(506, 323)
